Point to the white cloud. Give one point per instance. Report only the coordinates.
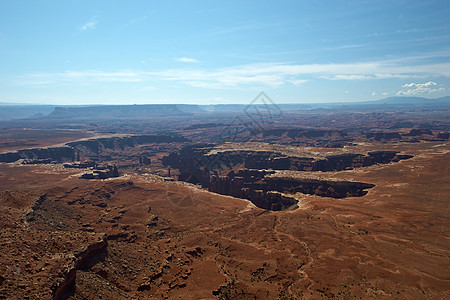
(427, 84)
(298, 81)
(385, 93)
(348, 77)
(88, 76)
(125, 76)
(260, 75)
(187, 60)
(373, 93)
(419, 89)
(91, 24)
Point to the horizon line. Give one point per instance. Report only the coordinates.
(212, 104)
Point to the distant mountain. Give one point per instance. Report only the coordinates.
(10, 111)
(386, 103)
(411, 100)
(14, 104)
(117, 111)
(22, 111)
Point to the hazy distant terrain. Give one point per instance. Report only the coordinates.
(9, 111)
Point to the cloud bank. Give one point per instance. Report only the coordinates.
(419, 89)
(260, 75)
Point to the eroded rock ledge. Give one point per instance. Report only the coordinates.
(65, 284)
(193, 158)
(92, 146)
(273, 192)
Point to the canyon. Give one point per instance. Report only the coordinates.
(210, 205)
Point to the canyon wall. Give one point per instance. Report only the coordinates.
(192, 159)
(96, 146)
(270, 192)
(58, 154)
(92, 146)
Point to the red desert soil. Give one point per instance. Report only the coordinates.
(14, 139)
(134, 237)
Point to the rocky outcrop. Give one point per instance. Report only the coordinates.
(331, 163)
(304, 133)
(323, 188)
(85, 259)
(144, 160)
(443, 135)
(54, 154)
(9, 157)
(28, 214)
(102, 172)
(239, 187)
(378, 136)
(419, 132)
(270, 192)
(330, 138)
(96, 146)
(72, 150)
(194, 160)
(80, 165)
(198, 166)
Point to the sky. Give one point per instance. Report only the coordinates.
(218, 52)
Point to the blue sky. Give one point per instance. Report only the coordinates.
(207, 52)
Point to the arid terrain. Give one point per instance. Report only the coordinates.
(189, 203)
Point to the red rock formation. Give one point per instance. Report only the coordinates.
(86, 258)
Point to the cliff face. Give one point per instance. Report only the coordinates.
(115, 143)
(418, 132)
(330, 163)
(304, 132)
(96, 146)
(246, 185)
(378, 136)
(323, 188)
(84, 259)
(269, 192)
(193, 159)
(330, 138)
(58, 154)
(197, 166)
(9, 157)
